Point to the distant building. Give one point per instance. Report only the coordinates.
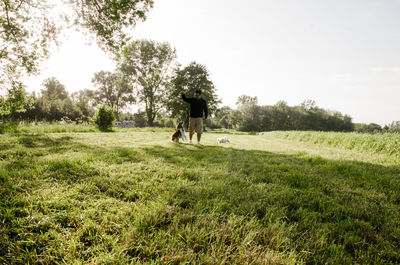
(124, 124)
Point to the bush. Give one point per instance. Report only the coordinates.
(8, 126)
(140, 119)
(367, 128)
(104, 118)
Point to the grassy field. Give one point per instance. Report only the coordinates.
(133, 197)
(387, 143)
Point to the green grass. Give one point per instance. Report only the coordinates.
(387, 143)
(133, 197)
(44, 127)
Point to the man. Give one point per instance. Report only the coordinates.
(197, 107)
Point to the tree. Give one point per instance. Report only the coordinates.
(244, 99)
(251, 117)
(29, 27)
(394, 126)
(222, 117)
(250, 113)
(308, 104)
(113, 90)
(16, 102)
(148, 64)
(235, 118)
(55, 102)
(25, 34)
(367, 128)
(54, 89)
(84, 100)
(281, 116)
(191, 78)
(110, 21)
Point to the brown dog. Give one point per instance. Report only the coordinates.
(179, 133)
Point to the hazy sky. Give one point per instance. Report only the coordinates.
(344, 54)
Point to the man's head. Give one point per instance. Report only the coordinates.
(197, 94)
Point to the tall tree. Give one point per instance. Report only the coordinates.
(28, 27)
(84, 100)
(250, 113)
(16, 101)
(55, 102)
(222, 116)
(189, 79)
(244, 99)
(54, 89)
(149, 66)
(113, 90)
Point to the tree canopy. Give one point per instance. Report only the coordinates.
(189, 79)
(148, 65)
(113, 90)
(29, 27)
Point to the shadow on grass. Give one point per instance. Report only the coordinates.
(333, 206)
(32, 141)
(334, 210)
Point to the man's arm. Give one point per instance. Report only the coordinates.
(188, 100)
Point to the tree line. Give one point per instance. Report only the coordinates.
(147, 74)
(249, 116)
(56, 104)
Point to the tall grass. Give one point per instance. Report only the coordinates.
(45, 127)
(59, 127)
(387, 143)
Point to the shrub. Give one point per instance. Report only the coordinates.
(104, 118)
(8, 126)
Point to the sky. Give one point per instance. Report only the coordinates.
(343, 54)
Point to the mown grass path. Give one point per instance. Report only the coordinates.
(136, 198)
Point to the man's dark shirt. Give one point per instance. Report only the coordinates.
(197, 106)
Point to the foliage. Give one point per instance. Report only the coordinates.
(15, 102)
(29, 27)
(244, 100)
(189, 79)
(113, 90)
(140, 119)
(85, 102)
(394, 127)
(367, 128)
(110, 21)
(221, 117)
(8, 126)
(249, 116)
(148, 65)
(55, 103)
(130, 198)
(105, 118)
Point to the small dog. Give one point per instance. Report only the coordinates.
(179, 133)
(223, 139)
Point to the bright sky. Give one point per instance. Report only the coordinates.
(344, 54)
